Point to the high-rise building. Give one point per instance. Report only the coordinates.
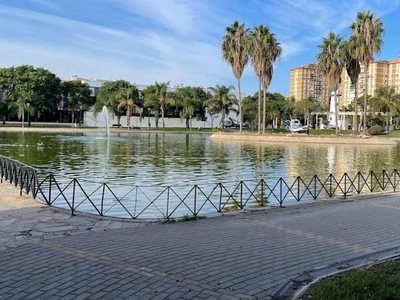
(306, 82)
(394, 73)
(378, 76)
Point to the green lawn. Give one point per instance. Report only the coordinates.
(377, 282)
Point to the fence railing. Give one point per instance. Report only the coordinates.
(136, 202)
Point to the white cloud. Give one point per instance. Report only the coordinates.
(300, 24)
(68, 47)
(180, 17)
(177, 41)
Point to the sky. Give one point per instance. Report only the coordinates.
(178, 41)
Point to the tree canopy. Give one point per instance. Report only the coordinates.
(36, 86)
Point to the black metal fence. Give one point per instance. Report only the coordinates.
(136, 202)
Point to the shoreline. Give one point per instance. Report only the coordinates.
(228, 136)
(304, 139)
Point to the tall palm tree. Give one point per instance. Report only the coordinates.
(387, 100)
(235, 53)
(264, 51)
(222, 101)
(256, 51)
(126, 98)
(330, 65)
(367, 31)
(162, 95)
(353, 69)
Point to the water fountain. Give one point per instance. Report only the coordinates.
(104, 120)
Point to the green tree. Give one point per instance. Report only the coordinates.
(258, 46)
(24, 97)
(330, 65)
(222, 101)
(43, 87)
(367, 31)
(288, 108)
(235, 52)
(127, 98)
(249, 104)
(353, 68)
(386, 100)
(151, 102)
(304, 108)
(190, 101)
(273, 52)
(161, 92)
(108, 96)
(77, 96)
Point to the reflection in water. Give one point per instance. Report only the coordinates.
(157, 160)
(330, 157)
(181, 159)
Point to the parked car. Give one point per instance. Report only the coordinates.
(231, 124)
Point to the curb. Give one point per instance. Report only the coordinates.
(296, 287)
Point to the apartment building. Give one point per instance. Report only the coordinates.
(394, 73)
(306, 82)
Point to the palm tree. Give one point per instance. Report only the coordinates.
(189, 108)
(367, 32)
(264, 50)
(162, 95)
(330, 65)
(387, 100)
(221, 101)
(23, 99)
(77, 96)
(126, 98)
(353, 68)
(257, 48)
(235, 53)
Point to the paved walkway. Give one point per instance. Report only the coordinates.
(242, 256)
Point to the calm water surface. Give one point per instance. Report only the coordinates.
(157, 160)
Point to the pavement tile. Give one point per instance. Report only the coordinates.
(240, 256)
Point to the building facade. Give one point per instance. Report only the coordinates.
(394, 73)
(377, 76)
(305, 82)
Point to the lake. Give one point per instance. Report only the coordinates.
(154, 161)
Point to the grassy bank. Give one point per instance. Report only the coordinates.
(377, 282)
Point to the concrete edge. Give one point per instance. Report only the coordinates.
(305, 139)
(296, 287)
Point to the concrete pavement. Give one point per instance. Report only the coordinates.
(247, 255)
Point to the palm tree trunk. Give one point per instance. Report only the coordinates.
(365, 99)
(264, 108)
(162, 116)
(387, 120)
(259, 105)
(355, 120)
(240, 107)
(128, 117)
(336, 112)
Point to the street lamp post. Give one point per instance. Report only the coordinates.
(148, 116)
(29, 121)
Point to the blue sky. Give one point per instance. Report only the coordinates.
(144, 41)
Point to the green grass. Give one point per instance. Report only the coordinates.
(185, 218)
(378, 282)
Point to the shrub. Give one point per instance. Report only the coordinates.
(376, 130)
